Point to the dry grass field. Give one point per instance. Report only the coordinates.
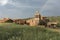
(12, 31)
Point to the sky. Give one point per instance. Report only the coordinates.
(27, 8)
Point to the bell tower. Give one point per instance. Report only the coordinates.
(37, 17)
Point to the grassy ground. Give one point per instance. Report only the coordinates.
(11, 31)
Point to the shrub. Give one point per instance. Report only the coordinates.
(58, 25)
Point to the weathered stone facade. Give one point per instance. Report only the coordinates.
(19, 21)
(35, 21)
(52, 24)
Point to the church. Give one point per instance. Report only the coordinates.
(36, 19)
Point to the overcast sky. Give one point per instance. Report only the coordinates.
(27, 8)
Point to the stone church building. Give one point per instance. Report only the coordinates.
(35, 20)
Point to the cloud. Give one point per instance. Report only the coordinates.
(36, 0)
(27, 3)
(51, 8)
(50, 4)
(44, 5)
(3, 2)
(27, 8)
(18, 4)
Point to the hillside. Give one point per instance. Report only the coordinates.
(55, 18)
(11, 31)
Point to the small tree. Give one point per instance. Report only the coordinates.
(44, 22)
(58, 25)
(9, 21)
